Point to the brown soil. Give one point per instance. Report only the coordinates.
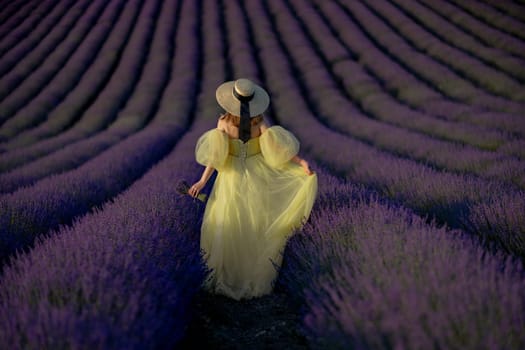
(267, 322)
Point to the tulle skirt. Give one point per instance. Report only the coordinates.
(252, 210)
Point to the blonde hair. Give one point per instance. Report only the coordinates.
(236, 120)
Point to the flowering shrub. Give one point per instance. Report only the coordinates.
(411, 113)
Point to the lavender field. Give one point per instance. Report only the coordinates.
(412, 113)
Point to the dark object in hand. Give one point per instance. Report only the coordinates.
(183, 188)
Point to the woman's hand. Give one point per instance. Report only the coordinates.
(306, 167)
(195, 189)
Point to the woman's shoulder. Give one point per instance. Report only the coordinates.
(224, 127)
(212, 133)
(274, 129)
(263, 126)
(222, 123)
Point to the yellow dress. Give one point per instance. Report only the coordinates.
(258, 198)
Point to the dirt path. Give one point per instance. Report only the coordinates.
(262, 323)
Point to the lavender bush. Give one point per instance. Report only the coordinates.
(441, 76)
(371, 275)
(328, 327)
(32, 28)
(504, 23)
(446, 196)
(410, 112)
(94, 104)
(11, 16)
(450, 33)
(24, 215)
(159, 263)
(64, 47)
(56, 200)
(130, 119)
(60, 42)
(385, 136)
(480, 74)
(14, 57)
(121, 277)
(483, 32)
(405, 84)
(511, 9)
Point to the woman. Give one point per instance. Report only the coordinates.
(262, 192)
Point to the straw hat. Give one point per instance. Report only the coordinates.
(230, 94)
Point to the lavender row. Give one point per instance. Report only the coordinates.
(448, 197)
(131, 118)
(76, 103)
(16, 27)
(338, 195)
(32, 211)
(35, 87)
(42, 52)
(148, 234)
(13, 13)
(401, 83)
(363, 89)
(373, 99)
(508, 8)
(122, 277)
(516, 148)
(19, 92)
(56, 200)
(485, 33)
(110, 98)
(376, 100)
(372, 275)
(239, 51)
(329, 202)
(241, 56)
(448, 32)
(9, 11)
(214, 64)
(345, 118)
(183, 76)
(473, 69)
(499, 21)
(25, 37)
(436, 74)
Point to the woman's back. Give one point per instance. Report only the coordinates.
(228, 125)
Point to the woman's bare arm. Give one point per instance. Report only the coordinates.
(199, 185)
(303, 163)
(208, 171)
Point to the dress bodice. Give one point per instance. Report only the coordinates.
(240, 149)
(277, 146)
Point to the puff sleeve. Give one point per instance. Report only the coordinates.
(278, 145)
(212, 148)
